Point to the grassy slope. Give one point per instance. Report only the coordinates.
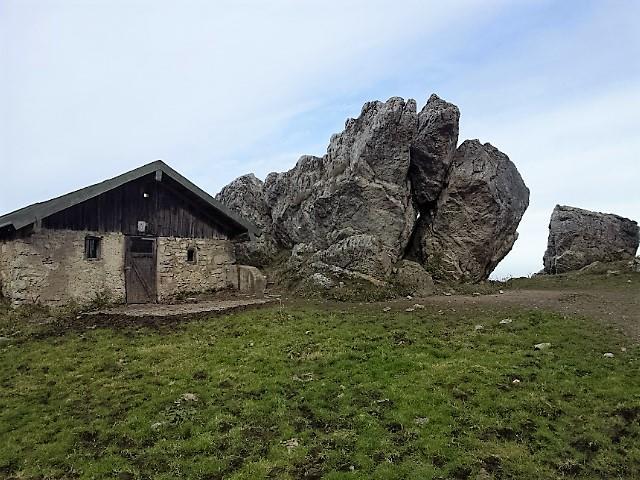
(364, 394)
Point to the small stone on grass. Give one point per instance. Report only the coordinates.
(291, 443)
(421, 421)
(542, 346)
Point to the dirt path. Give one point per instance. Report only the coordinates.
(180, 309)
(620, 307)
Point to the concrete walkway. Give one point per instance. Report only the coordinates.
(164, 310)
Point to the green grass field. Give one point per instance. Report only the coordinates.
(340, 391)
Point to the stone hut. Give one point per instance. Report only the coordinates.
(141, 237)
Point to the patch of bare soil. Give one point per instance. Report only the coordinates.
(180, 309)
(619, 308)
(162, 317)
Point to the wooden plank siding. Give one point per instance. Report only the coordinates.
(169, 210)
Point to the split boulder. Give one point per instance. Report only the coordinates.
(475, 221)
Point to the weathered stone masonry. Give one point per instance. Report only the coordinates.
(49, 267)
(212, 268)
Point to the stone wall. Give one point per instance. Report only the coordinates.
(248, 279)
(211, 270)
(49, 267)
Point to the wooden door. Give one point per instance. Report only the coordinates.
(140, 269)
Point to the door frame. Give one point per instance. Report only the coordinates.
(152, 290)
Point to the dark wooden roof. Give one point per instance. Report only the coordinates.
(33, 213)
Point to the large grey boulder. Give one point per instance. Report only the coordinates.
(476, 217)
(578, 238)
(356, 198)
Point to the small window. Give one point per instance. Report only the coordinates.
(191, 255)
(92, 248)
(141, 245)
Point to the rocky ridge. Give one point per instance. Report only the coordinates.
(391, 189)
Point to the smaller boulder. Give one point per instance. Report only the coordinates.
(412, 276)
(578, 238)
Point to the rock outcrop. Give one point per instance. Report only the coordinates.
(352, 206)
(357, 197)
(391, 188)
(578, 238)
(476, 217)
(432, 151)
(245, 195)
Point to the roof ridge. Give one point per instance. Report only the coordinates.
(37, 211)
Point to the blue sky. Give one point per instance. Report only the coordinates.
(91, 88)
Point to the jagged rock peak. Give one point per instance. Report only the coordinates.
(432, 150)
